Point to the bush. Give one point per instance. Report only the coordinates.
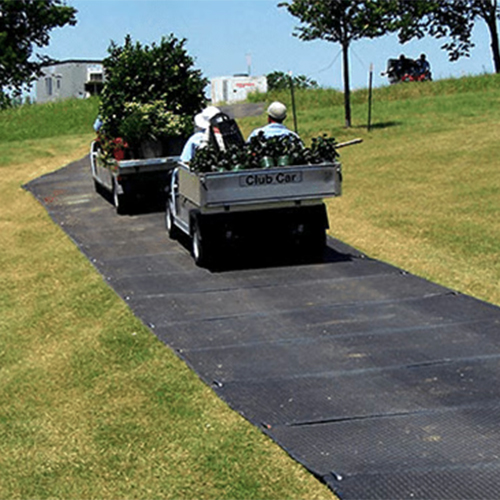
(152, 121)
(150, 92)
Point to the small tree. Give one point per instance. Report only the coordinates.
(343, 22)
(278, 80)
(150, 89)
(23, 25)
(454, 19)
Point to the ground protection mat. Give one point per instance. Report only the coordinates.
(380, 383)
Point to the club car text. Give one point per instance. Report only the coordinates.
(270, 178)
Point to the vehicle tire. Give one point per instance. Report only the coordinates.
(199, 247)
(97, 187)
(119, 200)
(95, 150)
(172, 230)
(311, 245)
(316, 244)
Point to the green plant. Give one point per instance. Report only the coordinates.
(152, 121)
(237, 158)
(262, 152)
(278, 80)
(24, 26)
(323, 149)
(157, 79)
(206, 159)
(113, 149)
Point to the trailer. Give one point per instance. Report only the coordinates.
(126, 180)
(218, 210)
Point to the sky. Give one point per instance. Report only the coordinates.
(226, 37)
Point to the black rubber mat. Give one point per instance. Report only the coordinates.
(380, 383)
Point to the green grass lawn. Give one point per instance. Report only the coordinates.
(94, 406)
(423, 189)
(424, 194)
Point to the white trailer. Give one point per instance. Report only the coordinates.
(126, 180)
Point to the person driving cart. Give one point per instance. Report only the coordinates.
(276, 115)
(200, 137)
(423, 67)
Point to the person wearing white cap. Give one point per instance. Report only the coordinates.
(200, 137)
(276, 114)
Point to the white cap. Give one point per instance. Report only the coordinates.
(202, 120)
(277, 110)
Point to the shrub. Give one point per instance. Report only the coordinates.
(152, 121)
(150, 92)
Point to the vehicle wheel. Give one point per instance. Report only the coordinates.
(95, 151)
(171, 228)
(119, 200)
(316, 244)
(311, 245)
(198, 248)
(97, 187)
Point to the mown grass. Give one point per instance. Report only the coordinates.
(52, 119)
(93, 405)
(422, 190)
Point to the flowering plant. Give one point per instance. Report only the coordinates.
(113, 149)
(152, 121)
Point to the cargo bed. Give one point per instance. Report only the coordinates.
(218, 210)
(127, 180)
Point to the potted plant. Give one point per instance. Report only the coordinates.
(115, 149)
(206, 159)
(262, 150)
(323, 149)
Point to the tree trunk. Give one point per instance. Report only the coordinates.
(347, 88)
(495, 48)
(489, 13)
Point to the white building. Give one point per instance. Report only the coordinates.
(73, 78)
(236, 88)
